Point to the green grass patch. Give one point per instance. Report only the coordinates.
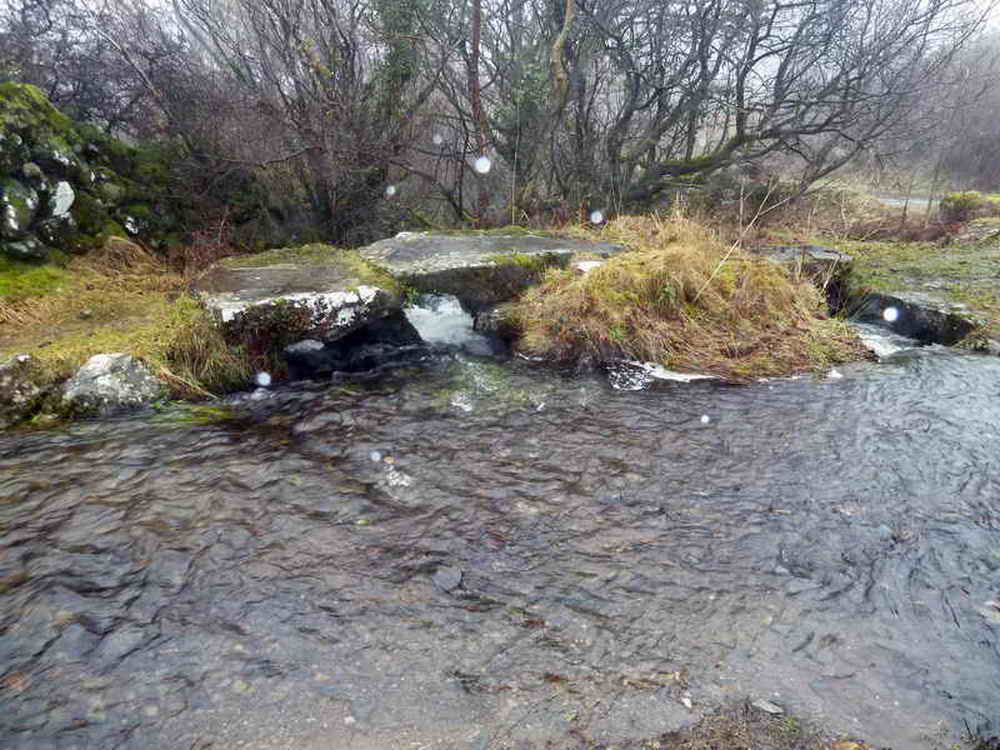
(20, 280)
(681, 298)
(966, 272)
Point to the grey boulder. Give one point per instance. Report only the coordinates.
(111, 382)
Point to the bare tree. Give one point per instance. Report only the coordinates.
(616, 100)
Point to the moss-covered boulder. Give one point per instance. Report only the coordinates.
(67, 187)
(20, 389)
(18, 206)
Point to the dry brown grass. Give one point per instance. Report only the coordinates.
(686, 300)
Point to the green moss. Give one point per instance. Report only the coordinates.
(19, 280)
(141, 211)
(533, 262)
(89, 214)
(25, 108)
(194, 414)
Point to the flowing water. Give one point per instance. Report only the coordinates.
(483, 555)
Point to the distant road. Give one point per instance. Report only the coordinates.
(917, 202)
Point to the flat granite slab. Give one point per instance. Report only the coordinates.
(419, 253)
(479, 269)
(340, 292)
(817, 263)
(230, 291)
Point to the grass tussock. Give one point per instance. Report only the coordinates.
(122, 299)
(686, 300)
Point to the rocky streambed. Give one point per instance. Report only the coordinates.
(471, 552)
(481, 555)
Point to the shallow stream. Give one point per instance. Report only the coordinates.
(483, 555)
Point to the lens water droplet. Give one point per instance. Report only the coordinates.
(438, 140)
(263, 379)
(390, 191)
(483, 165)
(890, 314)
(705, 419)
(596, 217)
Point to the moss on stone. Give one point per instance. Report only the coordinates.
(513, 230)
(24, 108)
(88, 213)
(319, 254)
(532, 262)
(961, 272)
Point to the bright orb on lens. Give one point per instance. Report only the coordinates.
(705, 419)
(263, 379)
(390, 191)
(438, 140)
(596, 217)
(482, 165)
(890, 314)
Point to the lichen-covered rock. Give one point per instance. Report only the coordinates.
(18, 206)
(20, 389)
(62, 199)
(111, 382)
(12, 151)
(30, 248)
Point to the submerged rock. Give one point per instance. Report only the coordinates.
(480, 269)
(109, 382)
(447, 578)
(20, 391)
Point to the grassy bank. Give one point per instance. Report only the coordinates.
(964, 269)
(117, 299)
(686, 300)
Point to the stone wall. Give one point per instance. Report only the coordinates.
(67, 187)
